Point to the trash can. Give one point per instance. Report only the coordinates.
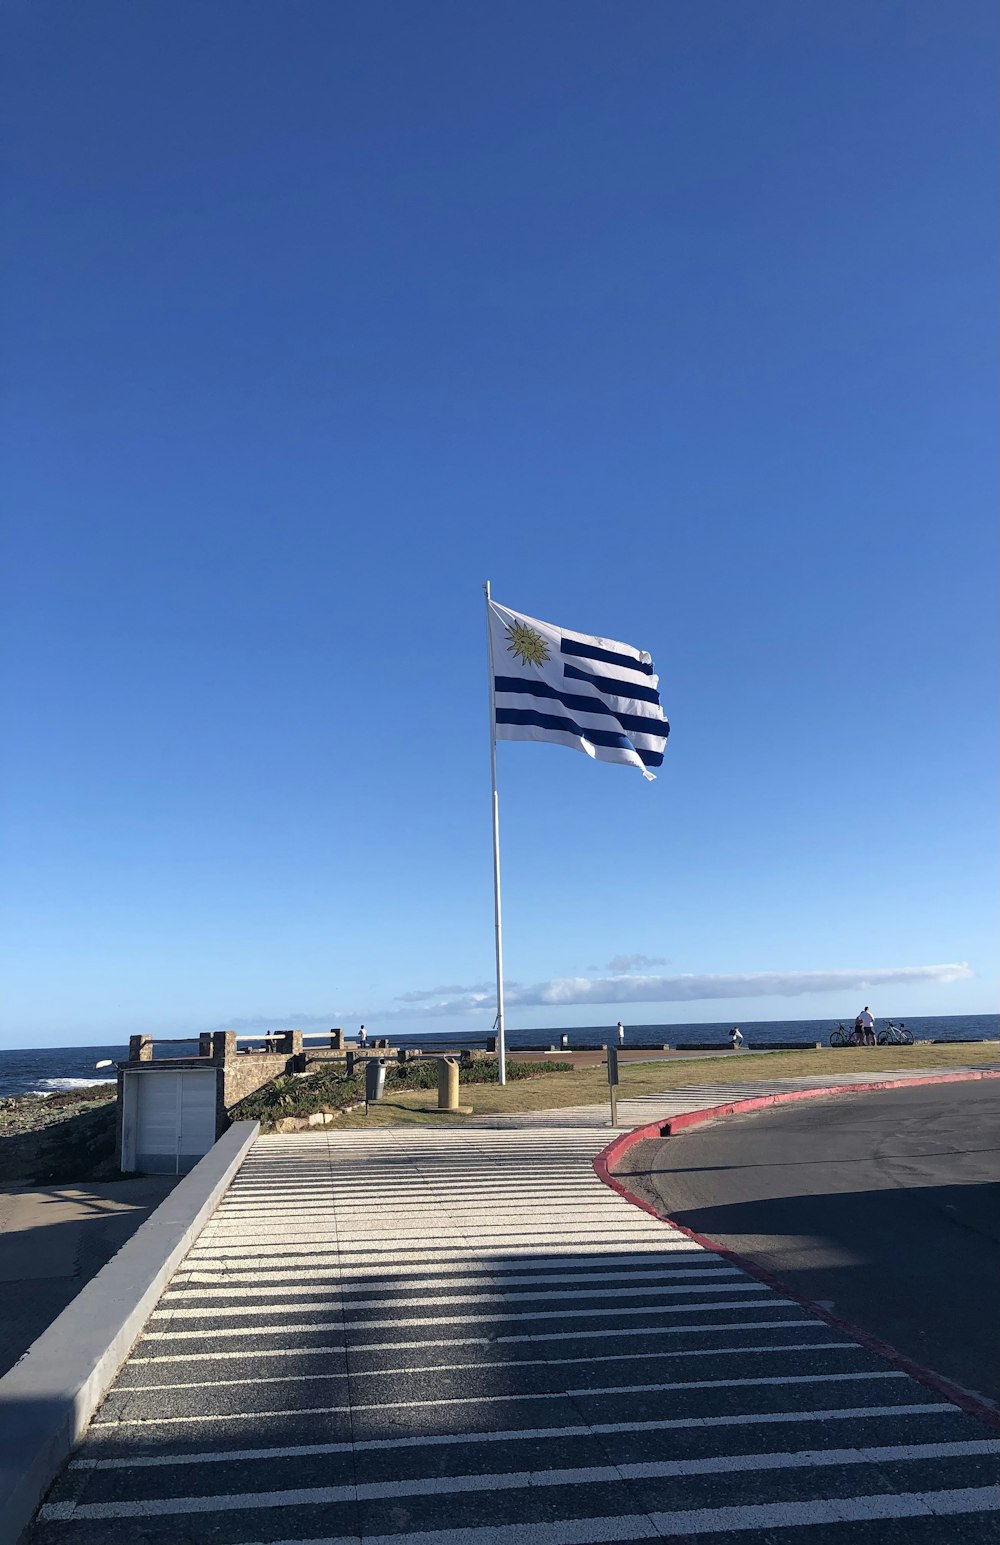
(374, 1080)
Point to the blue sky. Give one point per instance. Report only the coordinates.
(675, 322)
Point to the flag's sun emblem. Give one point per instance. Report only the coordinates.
(527, 644)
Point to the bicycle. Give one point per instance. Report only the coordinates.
(852, 1037)
(894, 1035)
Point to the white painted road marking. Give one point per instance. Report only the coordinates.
(420, 1251)
(515, 1434)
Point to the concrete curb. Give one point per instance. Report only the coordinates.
(656, 1129)
(49, 1396)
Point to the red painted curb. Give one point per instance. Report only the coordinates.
(614, 1151)
(693, 1118)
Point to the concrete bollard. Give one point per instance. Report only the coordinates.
(447, 1083)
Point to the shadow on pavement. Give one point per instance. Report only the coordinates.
(918, 1267)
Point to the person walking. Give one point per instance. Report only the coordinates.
(736, 1038)
(866, 1024)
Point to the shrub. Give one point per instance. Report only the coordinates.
(422, 1073)
(330, 1086)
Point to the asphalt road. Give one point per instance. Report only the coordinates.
(882, 1207)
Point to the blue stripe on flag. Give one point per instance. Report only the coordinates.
(611, 687)
(638, 724)
(546, 721)
(606, 656)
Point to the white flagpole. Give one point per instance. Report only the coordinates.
(501, 1041)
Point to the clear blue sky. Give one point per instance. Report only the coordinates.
(675, 321)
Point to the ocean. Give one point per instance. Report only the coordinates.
(49, 1069)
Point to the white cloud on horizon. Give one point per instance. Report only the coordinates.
(451, 1000)
(687, 988)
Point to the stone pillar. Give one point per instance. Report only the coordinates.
(336, 1040)
(140, 1048)
(223, 1045)
(291, 1043)
(447, 1083)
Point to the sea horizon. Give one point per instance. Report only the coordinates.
(50, 1069)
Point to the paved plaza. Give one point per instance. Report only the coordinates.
(460, 1336)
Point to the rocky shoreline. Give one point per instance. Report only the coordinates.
(56, 1138)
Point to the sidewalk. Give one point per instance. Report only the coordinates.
(53, 1239)
(459, 1336)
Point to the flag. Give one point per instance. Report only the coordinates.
(575, 690)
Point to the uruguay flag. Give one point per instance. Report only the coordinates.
(589, 693)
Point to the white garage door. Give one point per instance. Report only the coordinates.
(172, 1121)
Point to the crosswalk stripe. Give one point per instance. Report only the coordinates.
(289, 1290)
(320, 1496)
(763, 1305)
(384, 1291)
(527, 1434)
(528, 1362)
(257, 1310)
(280, 1276)
(504, 1398)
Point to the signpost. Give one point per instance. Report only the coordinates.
(613, 1082)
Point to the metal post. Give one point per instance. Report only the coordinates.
(613, 1082)
(498, 925)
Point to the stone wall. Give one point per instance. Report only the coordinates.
(249, 1072)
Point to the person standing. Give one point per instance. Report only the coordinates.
(736, 1038)
(867, 1024)
(362, 1036)
(621, 1033)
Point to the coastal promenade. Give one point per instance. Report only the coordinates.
(460, 1336)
